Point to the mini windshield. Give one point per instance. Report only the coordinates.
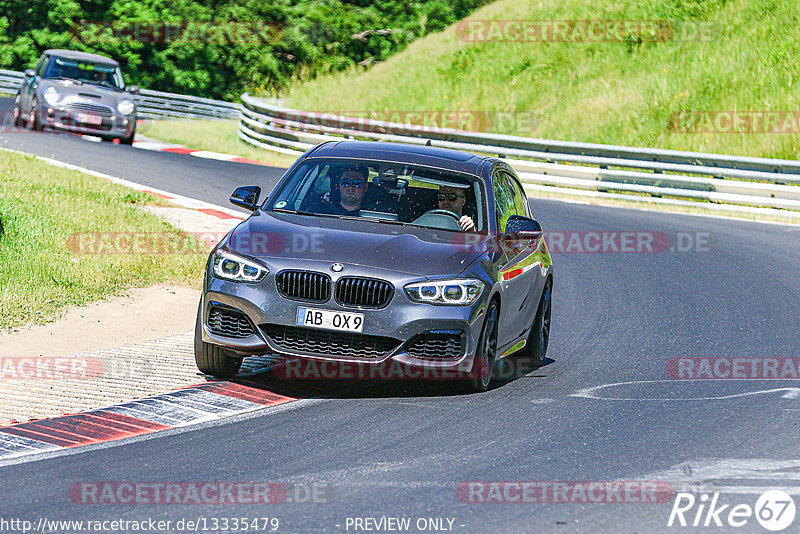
(88, 72)
(383, 191)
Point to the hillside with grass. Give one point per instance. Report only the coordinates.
(745, 58)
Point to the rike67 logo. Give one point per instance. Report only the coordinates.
(774, 510)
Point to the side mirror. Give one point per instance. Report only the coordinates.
(246, 197)
(523, 227)
(133, 89)
(30, 73)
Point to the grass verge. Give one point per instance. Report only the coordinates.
(627, 91)
(42, 269)
(213, 135)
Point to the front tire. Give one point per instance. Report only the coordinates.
(486, 353)
(127, 140)
(33, 118)
(15, 113)
(212, 359)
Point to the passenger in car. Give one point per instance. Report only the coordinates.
(453, 199)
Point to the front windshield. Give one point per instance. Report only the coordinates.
(384, 191)
(88, 72)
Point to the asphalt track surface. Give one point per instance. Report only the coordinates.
(400, 448)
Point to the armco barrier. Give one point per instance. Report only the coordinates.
(587, 169)
(153, 104)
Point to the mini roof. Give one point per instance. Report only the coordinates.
(80, 56)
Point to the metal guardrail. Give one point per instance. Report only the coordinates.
(153, 104)
(10, 81)
(158, 105)
(586, 169)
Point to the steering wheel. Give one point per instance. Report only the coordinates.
(437, 211)
(431, 217)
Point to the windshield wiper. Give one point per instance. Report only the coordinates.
(79, 82)
(344, 217)
(102, 84)
(385, 221)
(297, 212)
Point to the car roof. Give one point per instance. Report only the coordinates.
(80, 56)
(414, 154)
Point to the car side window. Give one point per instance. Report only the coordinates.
(40, 66)
(503, 200)
(520, 199)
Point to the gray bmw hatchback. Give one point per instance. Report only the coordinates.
(379, 253)
(77, 92)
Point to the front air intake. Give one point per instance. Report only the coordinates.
(363, 292)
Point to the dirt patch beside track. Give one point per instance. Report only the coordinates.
(145, 314)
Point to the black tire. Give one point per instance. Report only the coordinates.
(539, 337)
(212, 359)
(486, 353)
(127, 140)
(33, 118)
(15, 113)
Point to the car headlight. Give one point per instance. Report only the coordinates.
(457, 292)
(125, 106)
(229, 266)
(52, 96)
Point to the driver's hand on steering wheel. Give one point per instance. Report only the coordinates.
(466, 223)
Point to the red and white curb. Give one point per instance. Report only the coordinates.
(184, 407)
(145, 143)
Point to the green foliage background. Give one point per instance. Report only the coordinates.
(224, 47)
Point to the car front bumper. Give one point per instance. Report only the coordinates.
(402, 320)
(113, 126)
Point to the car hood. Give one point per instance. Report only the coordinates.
(84, 92)
(406, 249)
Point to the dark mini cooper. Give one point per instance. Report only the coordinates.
(376, 253)
(77, 92)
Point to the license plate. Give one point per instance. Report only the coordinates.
(89, 119)
(330, 320)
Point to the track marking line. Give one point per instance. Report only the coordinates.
(593, 392)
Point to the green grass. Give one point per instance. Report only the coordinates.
(604, 92)
(41, 207)
(213, 135)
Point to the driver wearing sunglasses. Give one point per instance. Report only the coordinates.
(353, 186)
(453, 199)
(350, 189)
